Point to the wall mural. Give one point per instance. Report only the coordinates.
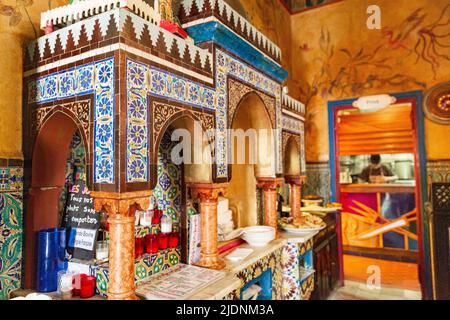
(415, 37)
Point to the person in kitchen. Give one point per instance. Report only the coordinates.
(377, 172)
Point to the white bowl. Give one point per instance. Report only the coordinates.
(259, 236)
(308, 203)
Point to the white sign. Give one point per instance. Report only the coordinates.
(85, 239)
(374, 103)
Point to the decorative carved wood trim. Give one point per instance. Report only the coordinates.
(121, 203)
(296, 180)
(269, 184)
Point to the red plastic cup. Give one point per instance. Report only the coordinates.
(163, 241)
(174, 240)
(151, 244)
(139, 247)
(76, 283)
(88, 287)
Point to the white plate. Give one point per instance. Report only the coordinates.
(319, 209)
(239, 254)
(302, 231)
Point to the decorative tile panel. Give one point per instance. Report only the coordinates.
(318, 181)
(11, 179)
(11, 233)
(229, 66)
(94, 78)
(144, 81)
(438, 171)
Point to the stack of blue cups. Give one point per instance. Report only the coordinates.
(51, 258)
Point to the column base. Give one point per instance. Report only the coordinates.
(129, 296)
(214, 263)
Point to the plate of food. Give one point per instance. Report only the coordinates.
(307, 224)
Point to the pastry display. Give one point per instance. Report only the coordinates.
(307, 221)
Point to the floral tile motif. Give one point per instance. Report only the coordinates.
(11, 233)
(168, 189)
(271, 261)
(11, 179)
(144, 81)
(137, 123)
(293, 286)
(95, 78)
(229, 66)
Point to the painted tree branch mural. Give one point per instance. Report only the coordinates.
(365, 67)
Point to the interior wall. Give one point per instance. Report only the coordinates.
(335, 57)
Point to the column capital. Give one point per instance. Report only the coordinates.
(268, 184)
(208, 191)
(115, 203)
(295, 180)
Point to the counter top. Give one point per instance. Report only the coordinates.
(294, 238)
(378, 188)
(258, 253)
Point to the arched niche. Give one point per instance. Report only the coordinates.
(251, 117)
(48, 173)
(292, 159)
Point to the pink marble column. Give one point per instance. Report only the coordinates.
(208, 195)
(121, 208)
(269, 187)
(296, 183)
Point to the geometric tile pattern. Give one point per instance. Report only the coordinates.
(228, 66)
(97, 78)
(318, 181)
(144, 81)
(438, 171)
(271, 261)
(11, 231)
(11, 179)
(169, 186)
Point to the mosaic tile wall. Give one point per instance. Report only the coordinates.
(229, 66)
(94, 78)
(318, 180)
(11, 229)
(144, 81)
(168, 191)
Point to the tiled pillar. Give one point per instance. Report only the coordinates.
(208, 195)
(121, 208)
(269, 187)
(296, 194)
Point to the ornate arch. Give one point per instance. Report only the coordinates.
(287, 136)
(237, 91)
(79, 111)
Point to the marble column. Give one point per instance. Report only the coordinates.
(208, 195)
(121, 208)
(296, 183)
(269, 187)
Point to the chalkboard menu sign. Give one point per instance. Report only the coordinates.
(82, 222)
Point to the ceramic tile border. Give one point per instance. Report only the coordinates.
(115, 47)
(96, 78)
(11, 175)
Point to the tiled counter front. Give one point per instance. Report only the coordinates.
(144, 268)
(294, 286)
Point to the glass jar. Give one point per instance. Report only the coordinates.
(102, 251)
(146, 218)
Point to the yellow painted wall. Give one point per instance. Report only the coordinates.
(335, 56)
(15, 31)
